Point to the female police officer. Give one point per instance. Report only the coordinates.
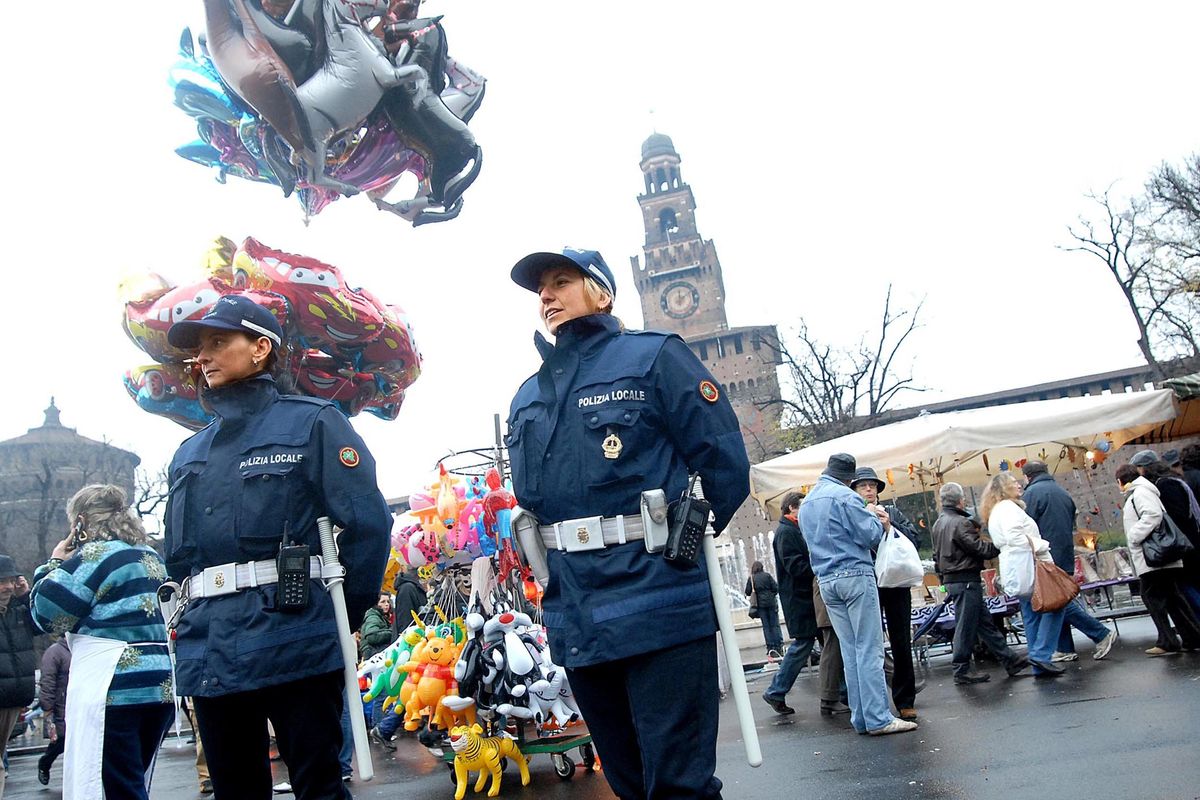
(257, 478)
(610, 414)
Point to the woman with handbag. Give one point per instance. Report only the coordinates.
(1143, 514)
(1016, 534)
(764, 604)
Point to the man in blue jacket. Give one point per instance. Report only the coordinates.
(841, 531)
(1052, 508)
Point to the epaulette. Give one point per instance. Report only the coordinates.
(303, 398)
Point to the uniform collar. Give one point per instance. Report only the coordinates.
(244, 398)
(577, 333)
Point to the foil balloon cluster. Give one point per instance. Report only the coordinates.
(342, 344)
(325, 98)
(453, 520)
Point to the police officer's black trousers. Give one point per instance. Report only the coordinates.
(306, 715)
(653, 719)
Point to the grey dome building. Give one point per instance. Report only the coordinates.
(39, 472)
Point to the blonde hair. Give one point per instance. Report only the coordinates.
(1001, 487)
(106, 514)
(597, 295)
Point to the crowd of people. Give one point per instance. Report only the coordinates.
(235, 617)
(824, 549)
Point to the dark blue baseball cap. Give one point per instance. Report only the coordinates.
(529, 269)
(233, 312)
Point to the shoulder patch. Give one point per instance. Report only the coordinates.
(709, 391)
(348, 456)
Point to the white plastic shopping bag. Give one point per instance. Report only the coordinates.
(897, 562)
(1016, 571)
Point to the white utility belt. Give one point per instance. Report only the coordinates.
(233, 577)
(593, 533)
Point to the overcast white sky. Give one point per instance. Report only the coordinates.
(831, 147)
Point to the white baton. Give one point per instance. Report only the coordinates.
(733, 656)
(333, 584)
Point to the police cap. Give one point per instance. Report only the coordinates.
(528, 271)
(233, 312)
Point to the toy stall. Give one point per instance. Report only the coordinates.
(473, 674)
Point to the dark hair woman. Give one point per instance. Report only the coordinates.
(612, 414)
(254, 481)
(100, 589)
(764, 593)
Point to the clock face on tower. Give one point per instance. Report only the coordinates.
(680, 300)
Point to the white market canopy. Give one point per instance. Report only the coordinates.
(969, 446)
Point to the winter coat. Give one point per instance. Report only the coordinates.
(795, 580)
(765, 586)
(1054, 512)
(375, 634)
(410, 599)
(17, 661)
(1015, 533)
(1143, 511)
(1177, 498)
(56, 665)
(958, 551)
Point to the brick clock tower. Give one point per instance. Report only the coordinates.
(678, 278)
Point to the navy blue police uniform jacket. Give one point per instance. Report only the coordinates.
(266, 461)
(647, 388)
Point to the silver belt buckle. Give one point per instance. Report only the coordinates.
(219, 580)
(580, 534)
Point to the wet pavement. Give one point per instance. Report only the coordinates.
(1125, 727)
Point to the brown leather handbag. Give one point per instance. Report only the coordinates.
(1052, 587)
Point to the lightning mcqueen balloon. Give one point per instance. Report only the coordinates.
(343, 344)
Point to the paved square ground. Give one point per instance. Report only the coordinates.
(1125, 727)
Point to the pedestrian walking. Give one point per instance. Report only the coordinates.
(52, 694)
(958, 555)
(763, 591)
(796, 597)
(1051, 507)
(1016, 534)
(246, 494)
(611, 418)
(1161, 585)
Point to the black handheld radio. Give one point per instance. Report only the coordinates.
(292, 566)
(688, 523)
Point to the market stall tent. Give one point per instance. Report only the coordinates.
(1187, 422)
(968, 447)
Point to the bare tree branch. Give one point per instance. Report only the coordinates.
(831, 391)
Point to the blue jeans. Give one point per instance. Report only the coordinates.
(769, 616)
(1076, 615)
(853, 604)
(1042, 629)
(793, 662)
(132, 735)
(391, 721)
(347, 735)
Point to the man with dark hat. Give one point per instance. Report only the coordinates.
(896, 601)
(16, 643)
(841, 531)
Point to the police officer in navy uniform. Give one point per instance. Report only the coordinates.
(610, 414)
(266, 468)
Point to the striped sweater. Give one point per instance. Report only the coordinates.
(109, 589)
